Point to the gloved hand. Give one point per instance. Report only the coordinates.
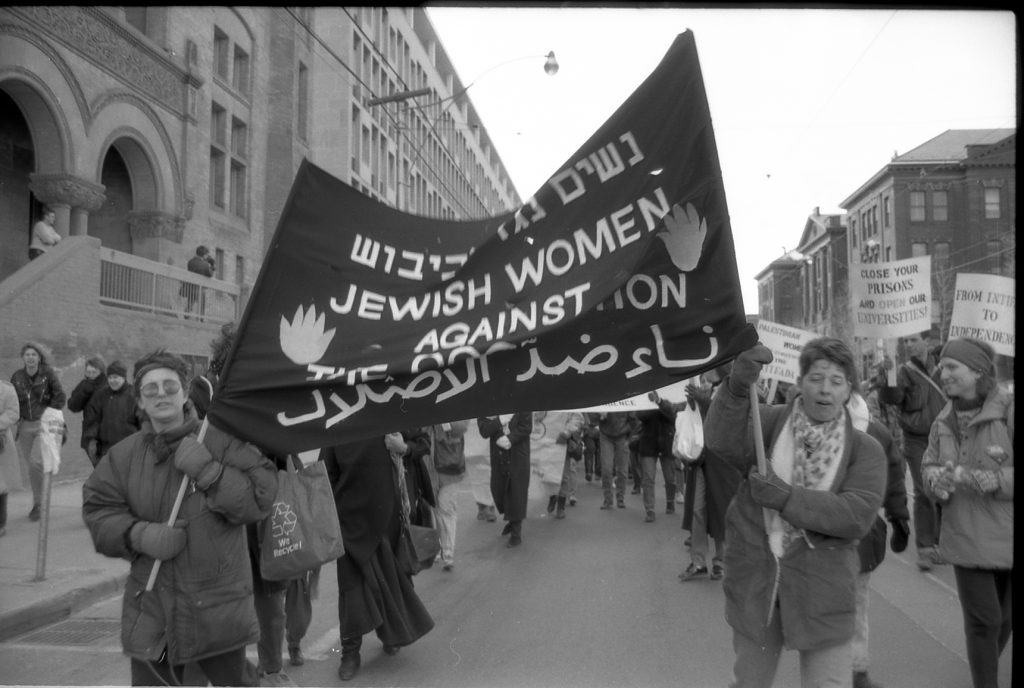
(770, 490)
(747, 367)
(940, 480)
(195, 461)
(158, 540)
(900, 535)
(394, 442)
(504, 442)
(979, 480)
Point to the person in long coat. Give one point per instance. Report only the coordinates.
(10, 469)
(375, 587)
(201, 607)
(792, 529)
(510, 467)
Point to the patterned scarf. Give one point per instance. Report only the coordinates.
(817, 450)
(166, 443)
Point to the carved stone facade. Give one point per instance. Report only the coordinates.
(65, 189)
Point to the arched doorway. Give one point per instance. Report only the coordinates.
(17, 162)
(130, 184)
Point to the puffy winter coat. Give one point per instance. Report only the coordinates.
(977, 529)
(110, 417)
(79, 400)
(202, 602)
(812, 585)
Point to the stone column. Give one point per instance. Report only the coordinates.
(156, 235)
(71, 198)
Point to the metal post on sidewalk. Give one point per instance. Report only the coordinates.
(44, 529)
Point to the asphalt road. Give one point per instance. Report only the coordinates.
(592, 600)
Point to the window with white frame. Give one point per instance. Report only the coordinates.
(940, 206)
(992, 204)
(917, 213)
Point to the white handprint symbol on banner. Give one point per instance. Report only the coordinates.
(684, 236)
(303, 340)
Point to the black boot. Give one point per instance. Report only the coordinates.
(560, 513)
(670, 499)
(349, 658)
(552, 500)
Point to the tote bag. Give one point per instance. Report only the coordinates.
(302, 531)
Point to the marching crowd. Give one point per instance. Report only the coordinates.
(790, 506)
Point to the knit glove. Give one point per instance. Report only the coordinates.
(747, 368)
(900, 534)
(940, 480)
(195, 461)
(504, 442)
(769, 491)
(158, 540)
(979, 480)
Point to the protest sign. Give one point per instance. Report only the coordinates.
(785, 344)
(985, 307)
(617, 277)
(892, 299)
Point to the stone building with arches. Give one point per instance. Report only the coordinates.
(150, 131)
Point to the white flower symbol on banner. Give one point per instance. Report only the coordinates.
(303, 340)
(684, 235)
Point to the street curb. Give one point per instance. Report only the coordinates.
(25, 619)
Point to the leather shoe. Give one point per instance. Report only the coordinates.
(295, 657)
(692, 572)
(392, 650)
(514, 541)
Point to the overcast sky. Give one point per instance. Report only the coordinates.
(806, 104)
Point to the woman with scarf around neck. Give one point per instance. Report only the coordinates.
(201, 607)
(791, 543)
(968, 469)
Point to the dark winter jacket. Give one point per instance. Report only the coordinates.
(871, 548)
(657, 429)
(80, 396)
(510, 468)
(110, 417)
(916, 396)
(202, 602)
(37, 392)
(617, 424)
(812, 584)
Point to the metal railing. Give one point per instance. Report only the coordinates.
(134, 283)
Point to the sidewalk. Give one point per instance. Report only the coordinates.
(75, 576)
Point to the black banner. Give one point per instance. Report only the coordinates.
(617, 277)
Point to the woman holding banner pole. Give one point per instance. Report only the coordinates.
(201, 606)
(793, 526)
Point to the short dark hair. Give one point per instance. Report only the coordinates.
(161, 358)
(46, 210)
(832, 350)
(202, 251)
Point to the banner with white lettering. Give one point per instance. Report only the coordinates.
(785, 344)
(892, 299)
(617, 277)
(985, 307)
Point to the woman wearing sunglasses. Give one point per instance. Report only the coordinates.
(201, 607)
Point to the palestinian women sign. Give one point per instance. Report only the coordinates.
(617, 277)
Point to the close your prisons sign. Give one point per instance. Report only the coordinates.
(617, 277)
(892, 299)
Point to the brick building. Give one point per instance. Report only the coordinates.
(152, 130)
